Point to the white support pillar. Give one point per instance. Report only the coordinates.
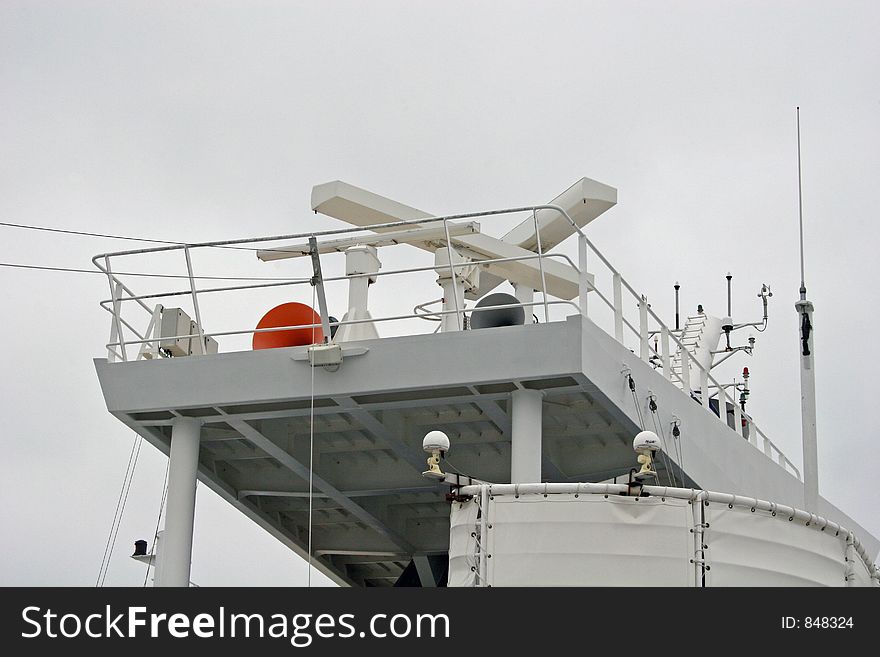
(359, 260)
(584, 278)
(525, 294)
(176, 558)
(808, 406)
(157, 559)
(525, 436)
(424, 570)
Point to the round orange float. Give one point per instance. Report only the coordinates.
(289, 314)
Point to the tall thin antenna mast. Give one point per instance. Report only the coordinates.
(808, 372)
(803, 289)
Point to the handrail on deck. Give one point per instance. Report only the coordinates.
(121, 294)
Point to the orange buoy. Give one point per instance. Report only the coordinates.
(289, 314)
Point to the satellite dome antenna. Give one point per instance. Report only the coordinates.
(808, 372)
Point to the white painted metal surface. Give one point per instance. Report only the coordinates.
(365, 410)
(525, 447)
(584, 201)
(360, 262)
(592, 535)
(176, 555)
(562, 540)
(808, 408)
(749, 548)
(463, 548)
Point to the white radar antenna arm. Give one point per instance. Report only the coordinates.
(583, 201)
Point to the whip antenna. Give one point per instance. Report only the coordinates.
(803, 289)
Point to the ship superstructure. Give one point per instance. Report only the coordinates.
(540, 369)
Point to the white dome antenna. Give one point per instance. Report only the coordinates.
(436, 443)
(645, 444)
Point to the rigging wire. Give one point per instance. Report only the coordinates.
(120, 510)
(632, 389)
(676, 433)
(158, 520)
(84, 233)
(75, 270)
(658, 428)
(132, 239)
(116, 512)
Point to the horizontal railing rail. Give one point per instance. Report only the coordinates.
(659, 356)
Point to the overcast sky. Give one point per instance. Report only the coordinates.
(209, 120)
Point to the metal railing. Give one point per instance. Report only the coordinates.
(121, 297)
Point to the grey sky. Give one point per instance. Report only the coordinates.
(196, 121)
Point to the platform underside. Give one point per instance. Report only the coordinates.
(374, 513)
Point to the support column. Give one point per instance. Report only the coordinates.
(525, 436)
(525, 294)
(157, 559)
(808, 407)
(424, 570)
(176, 558)
(359, 260)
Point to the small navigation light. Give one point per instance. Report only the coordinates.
(435, 443)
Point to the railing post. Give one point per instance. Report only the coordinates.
(644, 349)
(737, 415)
(664, 350)
(618, 308)
(850, 559)
(722, 405)
(458, 316)
(704, 388)
(767, 452)
(541, 266)
(685, 369)
(195, 298)
(115, 297)
(114, 337)
(584, 276)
